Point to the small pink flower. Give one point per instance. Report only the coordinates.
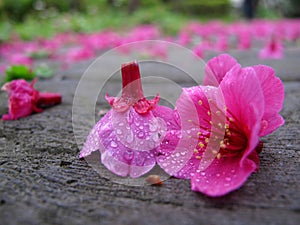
(79, 53)
(25, 100)
(20, 59)
(272, 50)
(222, 124)
(129, 134)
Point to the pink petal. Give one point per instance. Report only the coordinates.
(127, 141)
(273, 92)
(222, 176)
(244, 100)
(180, 155)
(217, 68)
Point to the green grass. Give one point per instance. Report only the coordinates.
(48, 23)
(36, 25)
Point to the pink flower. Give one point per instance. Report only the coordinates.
(25, 100)
(272, 50)
(20, 59)
(129, 134)
(79, 53)
(200, 49)
(221, 125)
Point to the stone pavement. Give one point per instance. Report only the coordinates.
(42, 181)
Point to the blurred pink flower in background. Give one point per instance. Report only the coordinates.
(20, 59)
(272, 50)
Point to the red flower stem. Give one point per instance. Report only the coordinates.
(131, 81)
(47, 99)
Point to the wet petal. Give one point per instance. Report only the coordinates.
(222, 176)
(273, 92)
(217, 68)
(244, 101)
(127, 141)
(184, 147)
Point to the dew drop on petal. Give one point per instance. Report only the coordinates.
(113, 144)
(129, 138)
(228, 179)
(152, 127)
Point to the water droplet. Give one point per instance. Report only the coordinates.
(141, 127)
(228, 179)
(140, 134)
(119, 131)
(155, 138)
(192, 174)
(113, 144)
(177, 154)
(217, 174)
(202, 173)
(121, 124)
(129, 138)
(232, 171)
(152, 127)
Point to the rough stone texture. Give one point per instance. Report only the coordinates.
(42, 181)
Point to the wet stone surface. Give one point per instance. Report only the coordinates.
(42, 180)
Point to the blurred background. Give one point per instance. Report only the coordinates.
(28, 19)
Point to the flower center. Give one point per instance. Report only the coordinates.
(229, 139)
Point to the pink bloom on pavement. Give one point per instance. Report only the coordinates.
(129, 134)
(231, 116)
(25, 100)
(79, 53)
(272, 50)
(20, 59)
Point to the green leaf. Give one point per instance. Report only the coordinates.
(15, 72)
(44, 71)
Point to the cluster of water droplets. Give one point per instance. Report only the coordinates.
(138, 132)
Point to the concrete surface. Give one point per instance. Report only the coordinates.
(42, 181)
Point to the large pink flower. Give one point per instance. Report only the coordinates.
(25, 100)
(221, 126)
(129, 134)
